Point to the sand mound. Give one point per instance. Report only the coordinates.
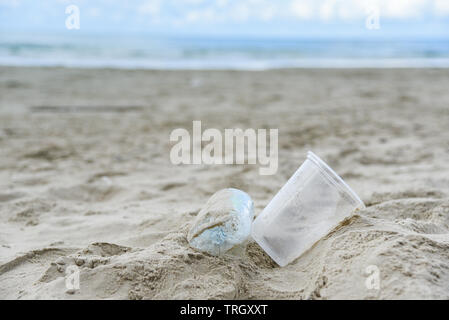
(411, 251)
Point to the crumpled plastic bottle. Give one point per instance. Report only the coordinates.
(225, 221)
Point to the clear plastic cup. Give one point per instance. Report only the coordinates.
(312, 202)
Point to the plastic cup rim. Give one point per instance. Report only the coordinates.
(334, 178)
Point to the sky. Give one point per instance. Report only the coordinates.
(260, 18)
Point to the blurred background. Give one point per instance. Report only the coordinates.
(85, 170)
(226, 34)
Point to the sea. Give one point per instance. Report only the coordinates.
(204, 53)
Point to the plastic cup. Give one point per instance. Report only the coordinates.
(312, 202)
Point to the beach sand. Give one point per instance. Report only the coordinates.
(86, 180)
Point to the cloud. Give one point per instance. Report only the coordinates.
(326, 9)
(302, 9)
(221, 3)
(150, 7)
(231, 14)
(205, 15)
(404, 8)
(93, 12)
(441, 7)
(267, 13)
(347, 10)
(9, 3)
(240, 12)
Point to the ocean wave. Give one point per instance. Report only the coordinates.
(241, 54)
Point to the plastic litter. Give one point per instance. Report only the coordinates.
(224, 222)
(312, 202)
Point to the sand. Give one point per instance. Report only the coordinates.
(86, 180)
